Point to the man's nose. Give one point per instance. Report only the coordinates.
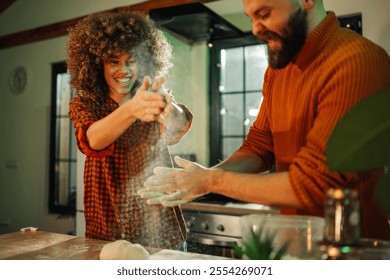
(257, 27)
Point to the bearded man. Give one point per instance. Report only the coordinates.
(317, 72)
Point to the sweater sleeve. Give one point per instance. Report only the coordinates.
(259, 139)
(350, 73)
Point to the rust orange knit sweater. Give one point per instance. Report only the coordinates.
(302, 103)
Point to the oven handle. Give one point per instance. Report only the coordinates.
(214, 240)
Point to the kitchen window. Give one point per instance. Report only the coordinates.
(237, 68)
(63, 149)
(237, 73)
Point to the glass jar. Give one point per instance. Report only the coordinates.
(342, 217)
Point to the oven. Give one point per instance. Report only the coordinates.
(216, 229)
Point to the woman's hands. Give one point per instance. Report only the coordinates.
(173, 117)
(147, 104)
(152, 102)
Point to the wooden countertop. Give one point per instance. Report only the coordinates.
(41, 245)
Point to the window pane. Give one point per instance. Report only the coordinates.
(230, 145)
(73, 144)
(72, 183)
(63, 159)
(231, 114)
(232, 70)
(255, 65)
(63, 94)
(63, 180)
(63, 138)
(252, 107)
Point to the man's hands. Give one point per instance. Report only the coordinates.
(175, 186)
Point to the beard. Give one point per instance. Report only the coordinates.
(292, 39)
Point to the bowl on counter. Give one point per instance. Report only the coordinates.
(302, 233)
(374, 249)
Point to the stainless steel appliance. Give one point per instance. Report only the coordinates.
(216, 229)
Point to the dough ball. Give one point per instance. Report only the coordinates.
(123, 250)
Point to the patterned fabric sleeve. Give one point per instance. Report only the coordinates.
(82, 113)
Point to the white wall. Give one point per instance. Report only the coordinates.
(25, 123)
(189, 82)
(375, 17)
(25, 118)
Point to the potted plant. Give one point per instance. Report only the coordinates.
(259, 245)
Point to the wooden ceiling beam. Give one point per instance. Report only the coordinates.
(4, 4)
(61, 28)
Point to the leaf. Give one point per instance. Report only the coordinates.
(360, 141)
(238, 251)
(282, 251)
(260, 246)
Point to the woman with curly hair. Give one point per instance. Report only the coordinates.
(124, 123)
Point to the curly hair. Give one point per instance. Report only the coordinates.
(98, 37)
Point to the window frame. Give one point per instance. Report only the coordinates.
(54, 205)
(215, 131)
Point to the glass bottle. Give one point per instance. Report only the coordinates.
(342, 217)
(342, 224)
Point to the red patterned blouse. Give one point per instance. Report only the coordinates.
(112, 177)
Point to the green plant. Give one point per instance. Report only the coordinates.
(260, 246)
(361, 141)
